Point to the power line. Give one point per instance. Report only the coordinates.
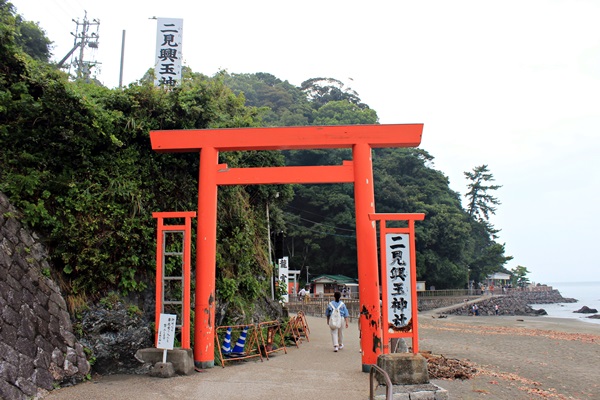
(304, 211)
(320, 223)
(321, 232)
(59, 6)
(314, 222)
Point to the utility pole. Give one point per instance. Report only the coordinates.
(122, 60)
(83, 39)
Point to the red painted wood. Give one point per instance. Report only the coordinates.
(209, 142)
(287, 138)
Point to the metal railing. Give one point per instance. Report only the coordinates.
(481, 292)
(317, 306)
(389, 392)
(449, 293)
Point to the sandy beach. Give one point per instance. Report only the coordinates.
(516, 358)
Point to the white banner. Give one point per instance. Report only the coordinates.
(399, 307)
(283, 277)
(169, 37)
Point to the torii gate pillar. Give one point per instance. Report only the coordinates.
(366, 249)
(360, 138)
(206, 259)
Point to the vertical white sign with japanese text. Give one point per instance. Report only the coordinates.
(166, 331)
(284, 269)
(399, 307)
(169, 35)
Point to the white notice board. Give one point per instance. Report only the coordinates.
(166, 331)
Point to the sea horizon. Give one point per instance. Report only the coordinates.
(586, 294)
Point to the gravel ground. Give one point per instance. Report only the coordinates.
(517, 358)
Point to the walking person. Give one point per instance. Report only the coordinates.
(302, 294)
(306, 298)
(337, 314)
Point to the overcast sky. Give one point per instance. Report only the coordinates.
(512, 84)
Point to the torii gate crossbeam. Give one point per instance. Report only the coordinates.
(360, 138)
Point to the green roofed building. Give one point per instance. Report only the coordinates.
(326, 285)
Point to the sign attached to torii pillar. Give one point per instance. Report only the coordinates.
(398, 279)
(360, 138)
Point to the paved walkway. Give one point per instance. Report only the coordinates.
(312, 371)
(468, 303)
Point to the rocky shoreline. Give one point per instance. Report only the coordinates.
(514, 303)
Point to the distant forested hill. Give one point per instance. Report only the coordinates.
(76, 159)
(316, 229)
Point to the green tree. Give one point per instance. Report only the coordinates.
(343, 112)
(280, 103)
(76, 160)
(486, 255)
(406, 182)
(519, 276)
(481, 203)
(317, 227)
(321, 91)
(321, 217)
(32, 39)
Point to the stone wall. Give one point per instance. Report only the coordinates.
(431, 303)
(38, 350)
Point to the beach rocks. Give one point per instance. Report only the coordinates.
(586, 310)
(596, 316)
(516, 303)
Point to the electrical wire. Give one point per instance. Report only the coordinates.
(321, 232)
(320, 223)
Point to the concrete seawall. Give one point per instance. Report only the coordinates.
(515, 303)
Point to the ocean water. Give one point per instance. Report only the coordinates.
(587, 294)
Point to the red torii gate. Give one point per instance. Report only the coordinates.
(360, 138)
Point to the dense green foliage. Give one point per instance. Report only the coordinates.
(76, 159)
(519, 276)
(317, 102)
(318, 232)
(481, 203)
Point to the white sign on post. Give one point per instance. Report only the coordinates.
(166, 333)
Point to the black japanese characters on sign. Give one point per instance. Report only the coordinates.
(166, 331)
(284, 276)
(168, 52)
(399, 309)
